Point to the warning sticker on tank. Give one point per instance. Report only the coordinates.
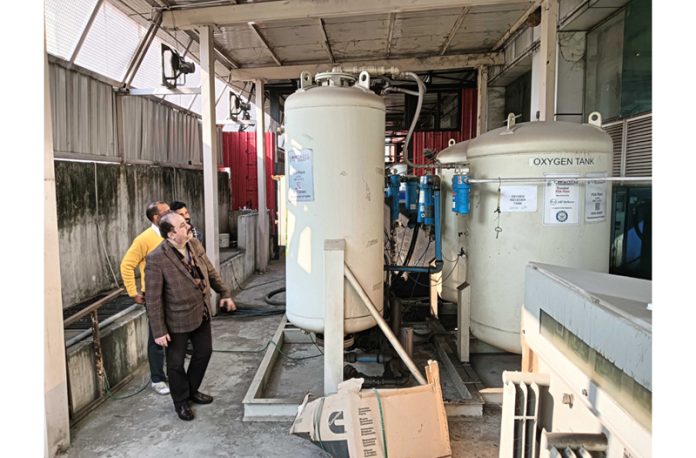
(518, 198)
(561, 199)
(300, 175)
(596, 198)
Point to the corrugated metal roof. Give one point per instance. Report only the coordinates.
(109, 46)
(65, 22)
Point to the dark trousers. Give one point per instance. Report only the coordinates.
(184, 383)
(155, 357)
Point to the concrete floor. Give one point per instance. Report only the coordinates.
(145, 423)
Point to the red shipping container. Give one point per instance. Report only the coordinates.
(438, 141)
(239, 154)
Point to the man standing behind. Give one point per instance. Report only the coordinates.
(179, 207)
(143, 245)
(179, 276)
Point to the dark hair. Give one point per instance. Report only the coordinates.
(177, 205)
(165, 225)
(153, 209)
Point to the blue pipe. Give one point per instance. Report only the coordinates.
(438, 224)
(429, 213)
(393, 195)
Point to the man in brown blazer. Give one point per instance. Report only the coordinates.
(178, 277)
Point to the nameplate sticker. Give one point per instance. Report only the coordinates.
(300, 175)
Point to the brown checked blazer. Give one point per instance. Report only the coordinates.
(174, 303)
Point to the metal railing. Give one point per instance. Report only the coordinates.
(92, 310)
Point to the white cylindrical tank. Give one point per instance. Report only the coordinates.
(453, 226)
(563, 222)
(335, 174)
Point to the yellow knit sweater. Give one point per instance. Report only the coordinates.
(142, 245)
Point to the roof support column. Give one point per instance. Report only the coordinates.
(547, 50)
(209, 135)
(57, 420)
(262, 235)
(482, 101)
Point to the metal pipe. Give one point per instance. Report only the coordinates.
(425, 269)
(395, 312)
(557, 178)
(70, 320)
(384, 326)
(438, 225)
(421, 96)
(262, 231)
(367, 357)
(104, 323)
(85, 31)
(399, 89)
(407, 339)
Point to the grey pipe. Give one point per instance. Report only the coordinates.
(558, 178)
(402, 90)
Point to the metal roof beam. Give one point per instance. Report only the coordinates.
(454, 30)
(517, 24)
(327, 45)
(85, 31)
(265, 43)
(141, 51)
(413, 64)
(390, 33)
(186, 17)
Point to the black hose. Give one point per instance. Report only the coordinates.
(267, 298)
(409, 253)
(412, 246)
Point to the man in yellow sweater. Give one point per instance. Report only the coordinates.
(142, 245)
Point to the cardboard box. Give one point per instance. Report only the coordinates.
(357, 423)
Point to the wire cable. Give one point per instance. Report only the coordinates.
(100, 237)
(239, 284)
(424, 253)
(107, 390)
(443, 279)
(267, 298)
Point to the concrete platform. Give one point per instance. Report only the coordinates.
(145, 423)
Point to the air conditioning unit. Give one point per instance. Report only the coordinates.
(587, 356)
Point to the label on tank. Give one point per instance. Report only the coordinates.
(518, 198)
(562, 161)
(596, 198)
(300, 175)
(561, 199)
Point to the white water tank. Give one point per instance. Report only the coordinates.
(335, 180)
(562, 222)
(453, 226)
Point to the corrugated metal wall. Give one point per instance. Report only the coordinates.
(84, 123)
(438, 141)
(239, 154)
(83, 114)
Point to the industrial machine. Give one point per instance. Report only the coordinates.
(586, 389)
(527, 192)
(530, 192)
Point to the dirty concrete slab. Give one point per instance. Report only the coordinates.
(145, 423)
